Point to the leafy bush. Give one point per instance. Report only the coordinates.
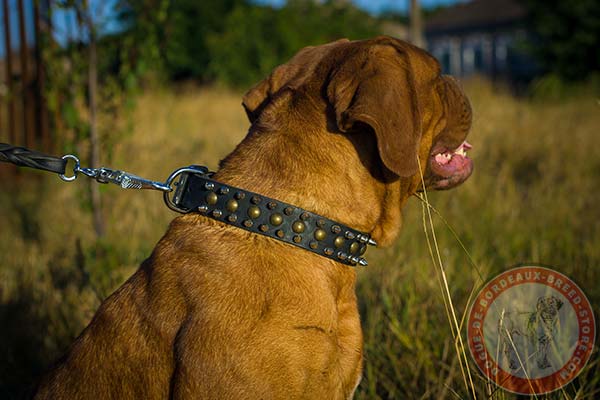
(234, 42)
(256, 39)
(568, 36)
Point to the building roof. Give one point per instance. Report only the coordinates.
(476, 14)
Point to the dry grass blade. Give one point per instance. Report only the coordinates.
(459, 344)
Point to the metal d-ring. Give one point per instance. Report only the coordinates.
(170, 182)
(76, 169)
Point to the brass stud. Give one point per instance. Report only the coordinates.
(212, 198)
(232, 205)
(328, 251)
(321, 223)
(298, 226)
(276, 219)
(336, 229)
(254, 212)
(217, 213)
(297, 238)
(203, 209)
(209, 186)
(320, 234)
(232, 218)
(350, 235)
(363, 248)
(224, 190)
(288, 211)
(255, 200)
(354, 248)
(304, 216)
(339, 242)
(271, 205)
(280, 233)
(239, 195)
(263, 227)
(313, 245)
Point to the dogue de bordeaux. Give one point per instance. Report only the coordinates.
(342, 130)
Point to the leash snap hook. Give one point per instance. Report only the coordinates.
(106, 175)
(128, 181)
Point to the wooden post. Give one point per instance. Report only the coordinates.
(41, 108)
(26, 95)
(416, 24)
(86, 16)
(12, 134)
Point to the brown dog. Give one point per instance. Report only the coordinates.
(221, 313)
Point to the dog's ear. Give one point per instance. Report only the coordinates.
(261, 94)
(375, 86)
(292, 75)
(559, 304)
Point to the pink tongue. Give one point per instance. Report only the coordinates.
(440, 159)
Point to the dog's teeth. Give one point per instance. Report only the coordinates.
(460, 151)
(443, 158)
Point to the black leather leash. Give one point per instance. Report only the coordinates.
(191, 189)
(28, 158)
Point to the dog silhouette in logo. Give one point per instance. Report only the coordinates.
(538, 326)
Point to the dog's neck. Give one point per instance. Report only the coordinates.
(332, 174)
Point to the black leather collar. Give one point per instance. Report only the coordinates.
(196, 191)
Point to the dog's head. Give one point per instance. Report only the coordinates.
(420, 118)
(549, 306)
(382, 104)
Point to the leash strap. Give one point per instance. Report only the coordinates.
(269, 217)
(28, 158)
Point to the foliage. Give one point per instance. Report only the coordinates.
(122, 61)
(256, 39)
(175, 32)
(567, 36)
(552, 87)
(190, 24)
(137, 53)
(237, 42)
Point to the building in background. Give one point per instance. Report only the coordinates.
(484, 37)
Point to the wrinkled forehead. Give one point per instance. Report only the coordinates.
(425, 67)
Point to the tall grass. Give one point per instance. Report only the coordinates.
(531, 198)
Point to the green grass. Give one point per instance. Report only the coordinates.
(532, 198)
